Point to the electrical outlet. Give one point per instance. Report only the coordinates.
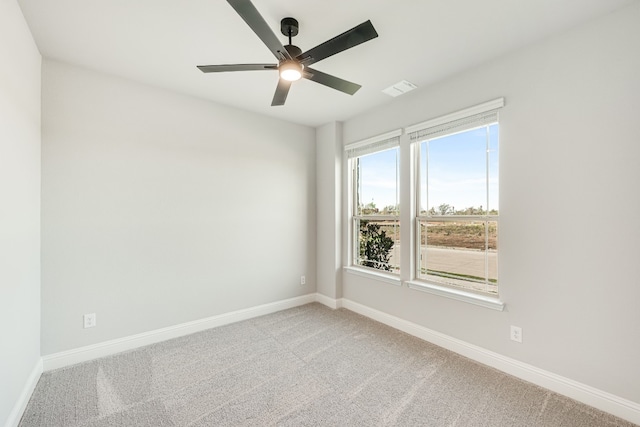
(303, 280)
(516, 333)
(89, 320)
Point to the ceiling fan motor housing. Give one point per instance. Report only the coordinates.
(289, 27)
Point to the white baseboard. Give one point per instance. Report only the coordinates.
(329, 302)
(27, 391)
(107, 348)
(591, 396)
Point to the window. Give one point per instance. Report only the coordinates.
(449, 206)
(375, 209)
(457, 210)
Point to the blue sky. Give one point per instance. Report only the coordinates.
(378, 177)
(457, 172)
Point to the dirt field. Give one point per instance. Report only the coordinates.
(459, 235)
(468, 235)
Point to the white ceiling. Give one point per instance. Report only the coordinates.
(160, 42)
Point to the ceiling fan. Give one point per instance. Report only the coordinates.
(293, 64)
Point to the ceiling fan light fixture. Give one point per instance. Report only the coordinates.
(293, 64)
(290, 71)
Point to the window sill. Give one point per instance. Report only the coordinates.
(458, 294)
(381, 277)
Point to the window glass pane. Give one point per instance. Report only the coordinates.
(492, 160)
(454, 253)
(377, 183)
(378, 244)
(456, 177)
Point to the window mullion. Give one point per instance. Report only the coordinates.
(415, 220)
(486, 222)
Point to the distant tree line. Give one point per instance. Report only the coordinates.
(443, 209)
(446, 209)
(371, 209)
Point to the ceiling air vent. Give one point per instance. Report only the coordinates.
(400, 88)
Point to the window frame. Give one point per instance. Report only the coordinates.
(373, 145)
(409, 206)
(420, 217)
(484, 299)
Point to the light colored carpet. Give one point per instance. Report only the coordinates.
(307, 366)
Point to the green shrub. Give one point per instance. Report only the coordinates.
(375, 246)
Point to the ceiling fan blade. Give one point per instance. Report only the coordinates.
(355, 36)
(252, 17)
(236, 67)
(281, 92)
(332, 81)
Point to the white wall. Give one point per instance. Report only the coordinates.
(569, 199)
(329, 224)
(158, 209)
(19, 209)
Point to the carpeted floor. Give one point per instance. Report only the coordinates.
(307, 366)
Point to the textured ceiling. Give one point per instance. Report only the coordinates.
(160, 42)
